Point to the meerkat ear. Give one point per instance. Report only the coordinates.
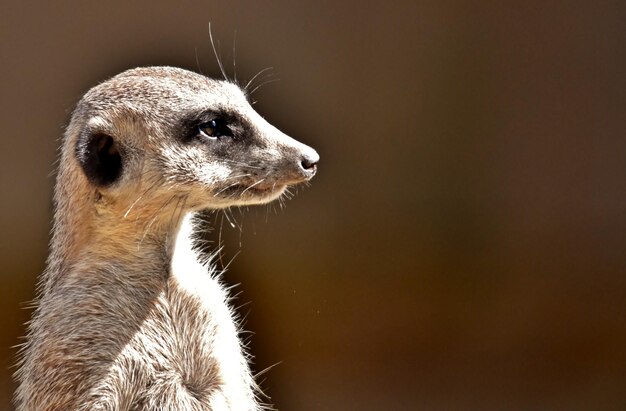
(100, 158)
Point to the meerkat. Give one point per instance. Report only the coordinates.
(129, 316)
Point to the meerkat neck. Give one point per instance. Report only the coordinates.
(95, 230)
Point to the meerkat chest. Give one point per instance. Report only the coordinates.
(191, 317)
(188, 343)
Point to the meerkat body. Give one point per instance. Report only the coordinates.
(128, 317)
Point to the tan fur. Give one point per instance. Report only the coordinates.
(128, 318)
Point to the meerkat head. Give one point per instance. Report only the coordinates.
(163, 132)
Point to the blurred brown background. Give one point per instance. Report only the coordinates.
(463, 245)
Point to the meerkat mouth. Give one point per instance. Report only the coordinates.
(257, 192)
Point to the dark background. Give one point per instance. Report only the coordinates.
(463, 245)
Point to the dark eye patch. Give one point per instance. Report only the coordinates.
(215, 128)
(210, 124)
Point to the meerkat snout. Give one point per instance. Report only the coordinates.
(309, 162)
(300, 162)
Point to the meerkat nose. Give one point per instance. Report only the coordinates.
(308, 163)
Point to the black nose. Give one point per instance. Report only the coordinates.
(309, 163)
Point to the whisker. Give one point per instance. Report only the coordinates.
(240, 163)
(219, 238)
(255, 184)
(217, 57)
(226, 188)
(264, 83)
(225, 267)
(198, 61)
(228, 218)
(151, 187)
(177, 218)
(255, 76)
(238, 176)
(235, 57)
(156, 216)
(236, 224)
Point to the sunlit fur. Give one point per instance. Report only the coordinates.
(128, 316)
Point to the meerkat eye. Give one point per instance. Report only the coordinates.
(215, 128)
